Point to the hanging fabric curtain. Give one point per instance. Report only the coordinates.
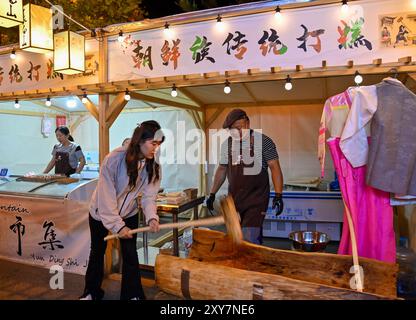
(69, 52)
(11, 13)
(36, 32)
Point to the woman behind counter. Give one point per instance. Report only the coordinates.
(67, 157)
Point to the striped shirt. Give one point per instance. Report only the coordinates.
(263, 149)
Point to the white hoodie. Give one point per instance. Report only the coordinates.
(113, 200)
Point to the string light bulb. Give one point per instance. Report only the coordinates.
(120, 36)
(174, 93)
(127, 96)
(167, 31)
(220, 24)
(48, 102)
(227, 88)
(358, 78)
(344, 6)
(13, 54)
(288, 84)
(71, 103)
(277, 13)
(16, 104)
(84, 99)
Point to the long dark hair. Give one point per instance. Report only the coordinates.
(64, 130)
(145, 131)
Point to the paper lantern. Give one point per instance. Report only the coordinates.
(36, 32)
(11, 13)
(69, 52)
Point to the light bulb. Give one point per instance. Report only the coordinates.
(16, 104)
(219, 25)
(174, 93)
(71, 103)
(288, 84)
(167, 31)
(278, 14)
(120, 36)
(13, 54)
(84, 99)
(227, 88)
(344, 6)
(48, 102)
(358, 79)
(127, 95)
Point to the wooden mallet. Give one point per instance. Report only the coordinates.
(229, 217)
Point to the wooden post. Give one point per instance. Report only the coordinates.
(104, 129)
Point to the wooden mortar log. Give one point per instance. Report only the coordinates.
(192, 279)
(321, 268)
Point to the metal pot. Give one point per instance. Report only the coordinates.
(309, 241)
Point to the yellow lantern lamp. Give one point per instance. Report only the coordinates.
(69, 52)
(36, 32)
(11, 13)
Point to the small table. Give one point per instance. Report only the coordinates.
(175, 210)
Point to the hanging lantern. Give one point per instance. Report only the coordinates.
(69, 52)
(36, 33)
(11, 13)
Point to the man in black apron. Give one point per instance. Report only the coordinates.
(246, 157)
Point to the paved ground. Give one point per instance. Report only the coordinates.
(24, 282)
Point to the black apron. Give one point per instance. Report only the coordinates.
(62, 165)
(250, 192)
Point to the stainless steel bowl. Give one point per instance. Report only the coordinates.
(309, 241)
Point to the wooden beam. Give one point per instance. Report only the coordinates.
(140, 96)
(196, 118)
(198, 80)
(55, 108)
(215, 116)
(253, 71)
(91, 107)
(77, 122)
(103, 136)
(275, 69)
(325, 88)
(250, 93)
(191, 96)
(230, 73)
(405, 60)
(377, 62)
(412, 76)
(115, 108)
(27, 113)
(265, 103)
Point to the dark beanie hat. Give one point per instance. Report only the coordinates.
(233, 116)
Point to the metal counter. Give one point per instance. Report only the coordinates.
(46, 224)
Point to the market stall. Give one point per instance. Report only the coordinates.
(279, 64)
